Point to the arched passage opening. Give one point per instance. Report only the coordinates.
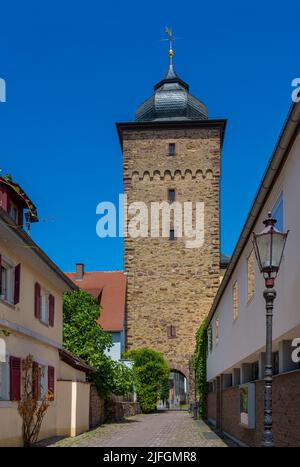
(178, 392)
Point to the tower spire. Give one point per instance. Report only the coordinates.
(170, 37)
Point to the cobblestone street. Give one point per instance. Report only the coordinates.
(169, 429)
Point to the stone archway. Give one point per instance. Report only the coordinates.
(178, 389)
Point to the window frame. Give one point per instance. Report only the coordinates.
(235, 305)
(171, 153)
(251, 255)
(5, 369)
(44, 306)
(217, 330)
(279, 202)
(9, 268)
(171, 190)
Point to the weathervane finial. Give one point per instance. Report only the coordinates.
(170, 36)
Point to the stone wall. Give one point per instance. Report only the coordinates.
(112, 410)
(286, 411)
(168, 284)
(97, 412)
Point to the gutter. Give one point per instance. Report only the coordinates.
(281, 151)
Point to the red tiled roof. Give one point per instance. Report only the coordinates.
(111, 288)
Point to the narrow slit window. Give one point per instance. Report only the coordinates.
(172, 235)
(171, 149)
(171, 195)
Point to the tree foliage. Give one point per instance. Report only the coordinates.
(151, 373)
(85, 338)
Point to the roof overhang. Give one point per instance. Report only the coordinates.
(286, 139)
(171, 125)
(27, 249)
(75, 362)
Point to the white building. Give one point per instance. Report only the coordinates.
(237, 320)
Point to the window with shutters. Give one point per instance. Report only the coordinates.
(15, 378)
(44, 305)
(7, 278)
(4, 380)
(44, 314)
(43, 381)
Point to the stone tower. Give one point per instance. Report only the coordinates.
(171, 150)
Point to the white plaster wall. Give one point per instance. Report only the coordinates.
(241, 338)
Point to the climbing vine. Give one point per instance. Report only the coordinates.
(200, 367)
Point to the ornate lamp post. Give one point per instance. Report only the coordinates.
(268, 247)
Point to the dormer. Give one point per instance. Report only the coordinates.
(15, 202)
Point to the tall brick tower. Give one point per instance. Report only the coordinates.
(171, 150)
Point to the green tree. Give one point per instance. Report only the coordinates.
(85, 338)
(151, 373)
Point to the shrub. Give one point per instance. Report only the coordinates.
(151, 374)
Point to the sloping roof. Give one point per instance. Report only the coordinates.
(75, 362)
(33, 248)
(285, 141)
(24, 199)
(110, 287)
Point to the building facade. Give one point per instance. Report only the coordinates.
(171, 153)
(31, 298)
(237, 332)
(109, 288)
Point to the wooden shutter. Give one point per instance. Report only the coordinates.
(15, 378)
(37, 300)
(0, 275)
(35, 380)
(51, 373)
(17, 284)
(51, 310)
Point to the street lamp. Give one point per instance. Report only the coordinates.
(268, 247)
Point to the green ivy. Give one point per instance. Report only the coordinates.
(200, 358)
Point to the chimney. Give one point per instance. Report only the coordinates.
(79, 271)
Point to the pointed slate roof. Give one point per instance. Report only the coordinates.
(171, 100)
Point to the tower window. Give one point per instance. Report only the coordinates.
(171, 195)
(171, 149)
(172, 235)
(171, 332)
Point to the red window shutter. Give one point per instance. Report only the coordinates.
(0, 275)
(15, 378)
(37, 300)
(51, 310)
(35, 380)
(51, 372)
(17, 284)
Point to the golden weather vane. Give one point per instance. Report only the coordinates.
(171, 38)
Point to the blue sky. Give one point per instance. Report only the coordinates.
(74, 68)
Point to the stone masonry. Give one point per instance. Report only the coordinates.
(169, 284)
